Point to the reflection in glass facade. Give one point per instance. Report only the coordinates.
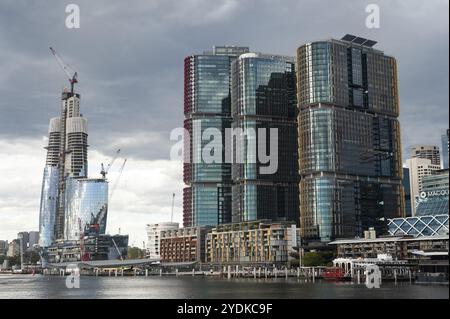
(434, 198)
(419, 226)
(47, 210)
(264, 97)
(86, 205)
(349, 140)
(207, 197)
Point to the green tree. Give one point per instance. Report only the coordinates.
(317, 258)
(135, 253)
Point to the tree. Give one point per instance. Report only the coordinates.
(135, 253)
(317, 258)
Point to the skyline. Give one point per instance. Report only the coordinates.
(145, 130)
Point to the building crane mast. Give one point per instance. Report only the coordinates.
(104, 171)
(113, 189)
(72, 78)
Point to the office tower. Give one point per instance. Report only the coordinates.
(24, 238)
(3, 247)
(207, 197)
(407, 190)
(430, 152)
(33, 239)
(66, 159)
(349, 139)
(433, 198)
(445, 150)
(418, 168)
(263, 100)
(154, 237)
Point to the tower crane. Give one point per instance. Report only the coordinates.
(113, 189)
(72, 78)
(104, 171)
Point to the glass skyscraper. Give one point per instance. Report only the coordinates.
(349, 139)
(86, 206)
(263, 96)
(207, 197)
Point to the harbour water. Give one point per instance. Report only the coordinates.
(38, 286)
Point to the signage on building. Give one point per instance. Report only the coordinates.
(442, 192)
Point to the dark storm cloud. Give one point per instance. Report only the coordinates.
(129, 56)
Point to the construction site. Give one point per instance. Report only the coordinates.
(74, 207)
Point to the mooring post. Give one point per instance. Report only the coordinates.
(395, 275)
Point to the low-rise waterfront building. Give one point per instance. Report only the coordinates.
(399, 247)
(183, 245)
(101, 247)
(154, 237)
(260, 241)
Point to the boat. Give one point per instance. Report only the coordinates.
(334, 273)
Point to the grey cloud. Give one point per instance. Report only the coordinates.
(130, 59)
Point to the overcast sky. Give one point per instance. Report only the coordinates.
(129, 56)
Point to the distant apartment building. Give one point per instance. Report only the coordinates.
(33, 239)
(430, 152)
(24, 238)
(260, 241)
(3, 247)
(183, 245)
(350, 159)
(418, 168)
(13, 248)
(154, 237)
(445, 150)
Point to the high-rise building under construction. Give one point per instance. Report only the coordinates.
(66, 158)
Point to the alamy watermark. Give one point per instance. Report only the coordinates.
(73, 279)
(209, 146)
(73, 19)
(373, 19)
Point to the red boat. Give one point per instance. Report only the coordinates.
(334, 273)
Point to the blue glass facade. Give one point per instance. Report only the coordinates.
(207, 197)
(47, 212)
(434, 198)
(86, 207)
(419, 226)
(349, 140)
(264, 98)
